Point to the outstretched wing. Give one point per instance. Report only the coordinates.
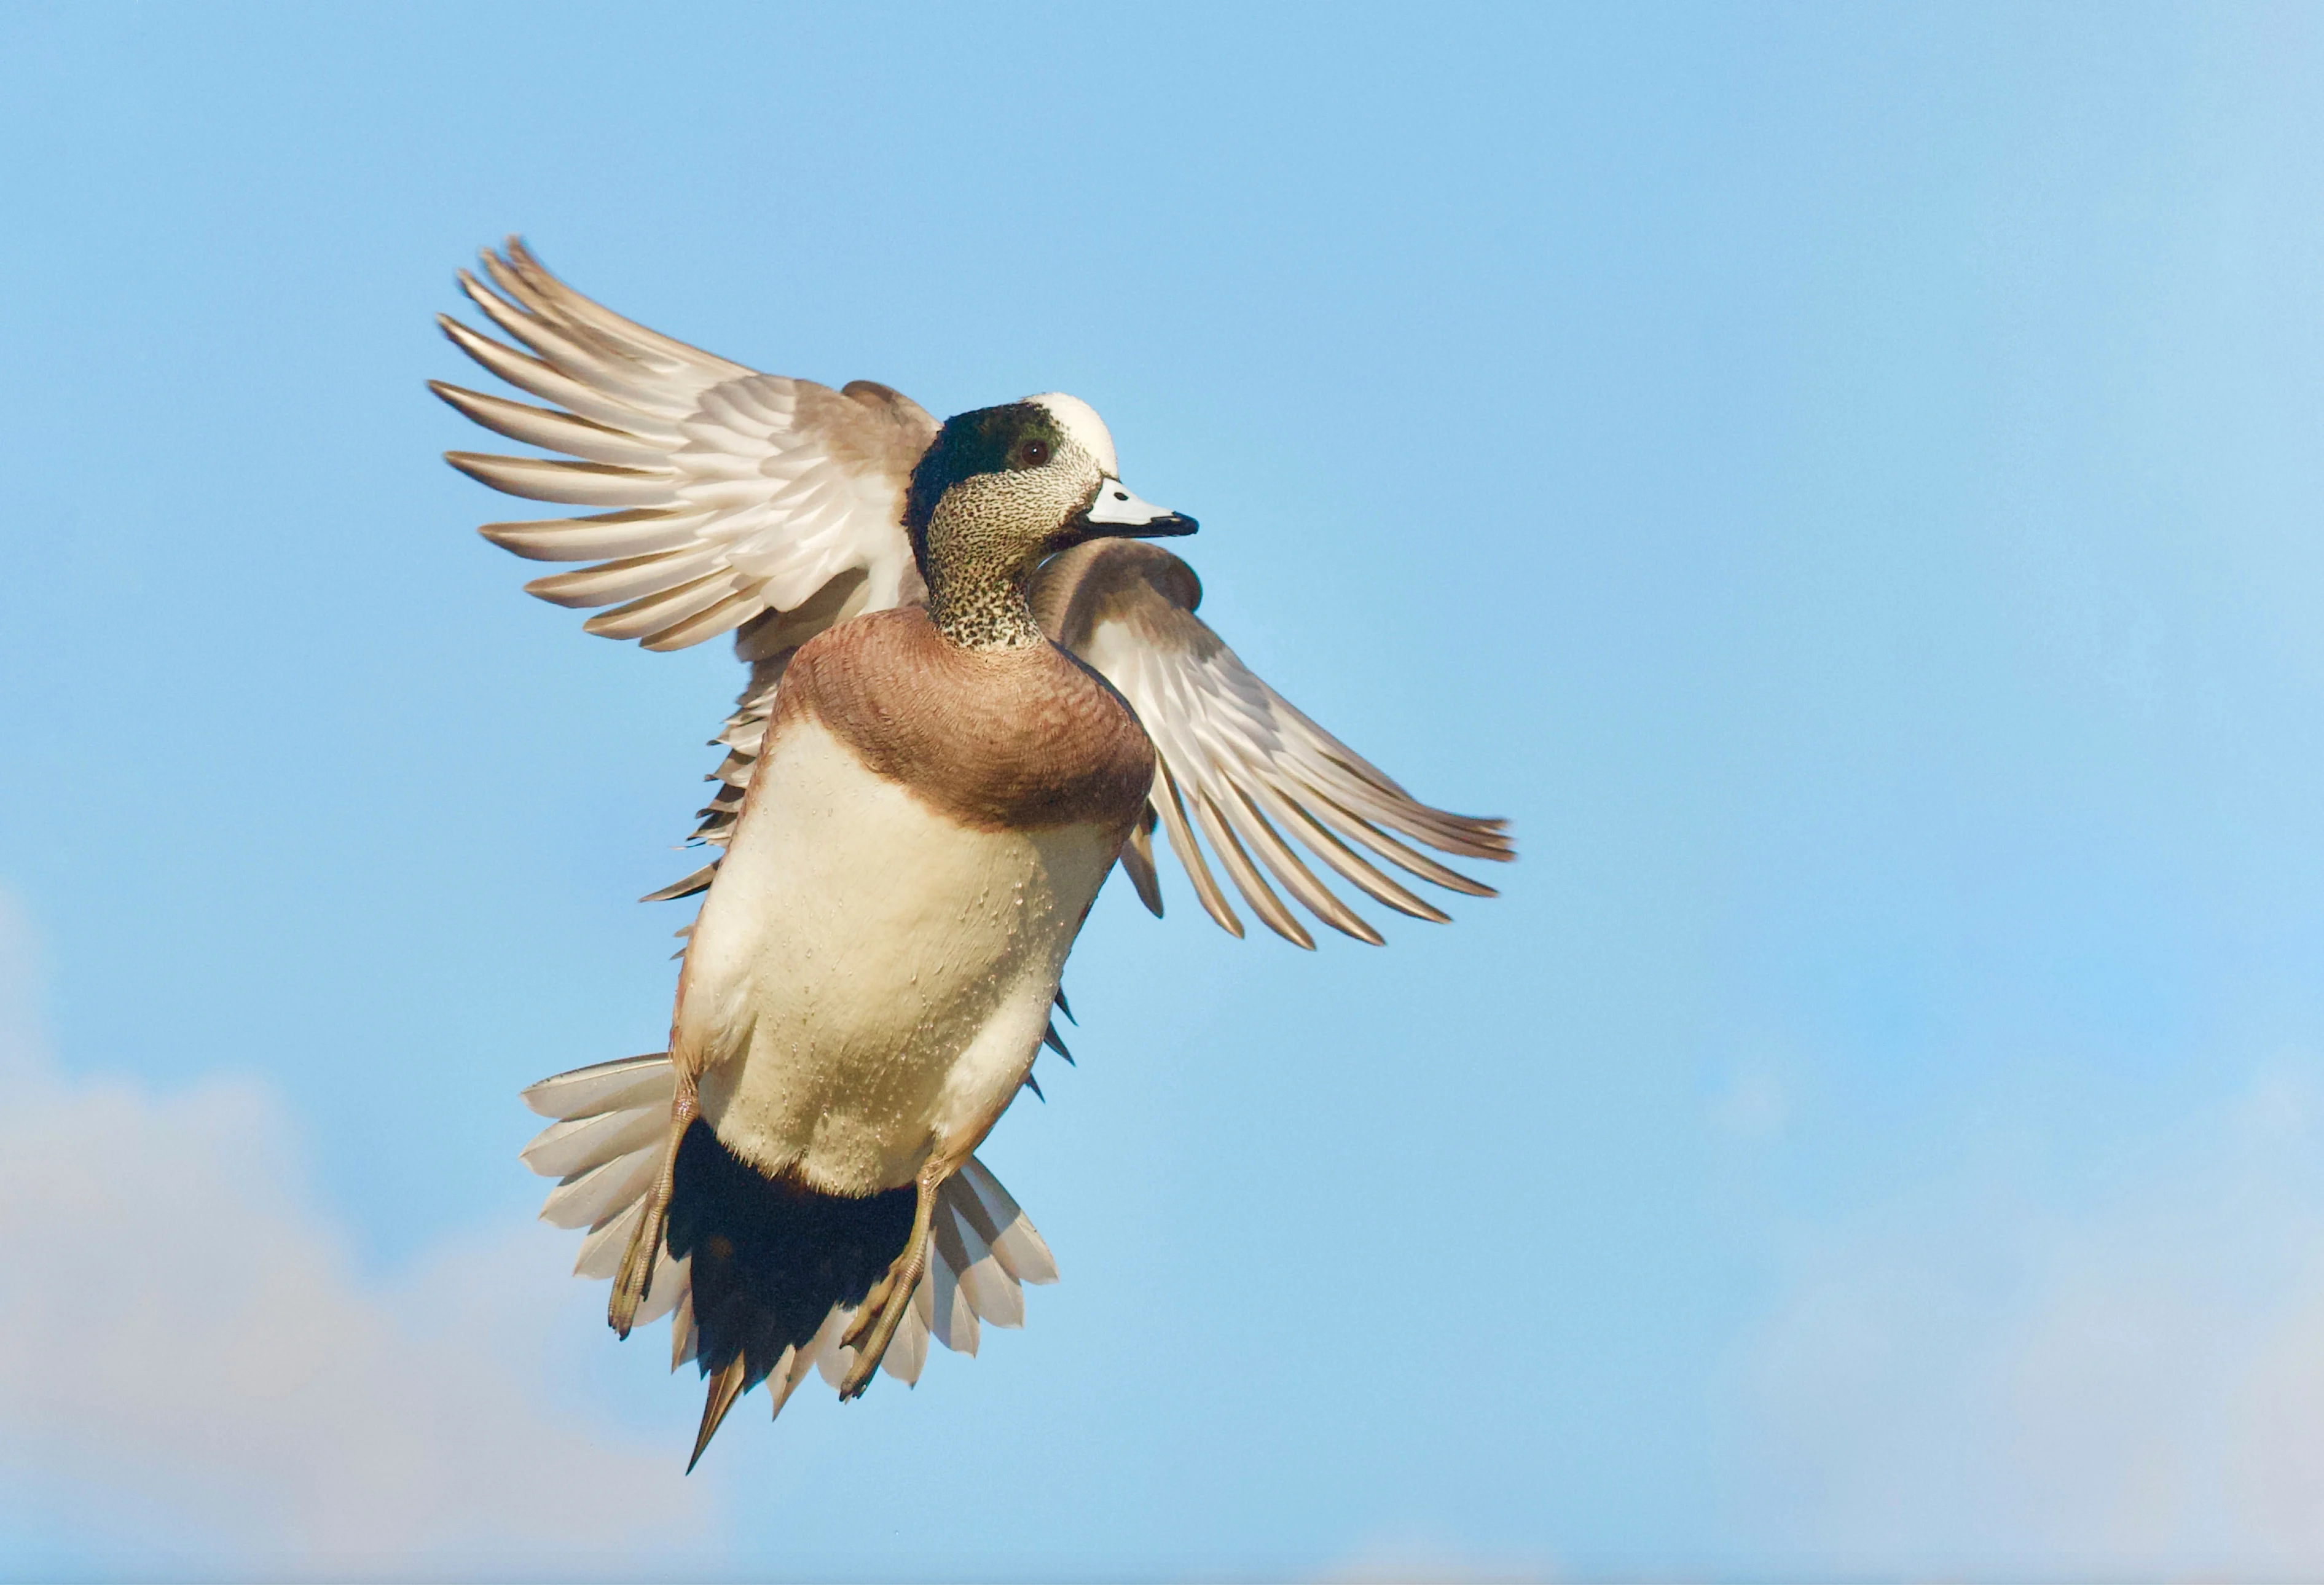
(1238, 761)
(734, 500)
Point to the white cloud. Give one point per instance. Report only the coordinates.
(194, 1370)
(1981, 1375)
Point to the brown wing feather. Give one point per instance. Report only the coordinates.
(1239, 762)
(740, 502)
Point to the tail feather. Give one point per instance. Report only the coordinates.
(669, 1284)
(950, 1320)
(908, 1350)
(682, 1335)
(584, 1198)
(608, 1237)
(977, 1273)
(785, 1382)
(604, 1147)
(977, 1197)
(831, 1362)
(725, 1385)
(562, 1149)
(629, 1084)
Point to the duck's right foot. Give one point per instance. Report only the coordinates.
(635, 1278)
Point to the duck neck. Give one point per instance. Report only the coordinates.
(981, 604)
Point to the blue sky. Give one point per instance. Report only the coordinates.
(1844, 480)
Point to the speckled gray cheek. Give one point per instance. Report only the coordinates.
(985, 538)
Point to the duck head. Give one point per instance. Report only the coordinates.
(1000, 489)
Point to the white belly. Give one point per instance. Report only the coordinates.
(868, 981)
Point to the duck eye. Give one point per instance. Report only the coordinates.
(1032, 454)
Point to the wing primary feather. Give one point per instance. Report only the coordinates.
(629, 578)
(1487, 829)
(1296, 877)
(1393, 851)
(1270, 790)
(578, 484)
(563, 351)
(657, 612)
(531, 375)
(572, 305)
(506, 278)
(514, 286)
(1065, 1007)
(1050, 1038)
(732, 612)
(1337, 853)
(555, 431)
(1138, 861)
(1332, 749)
(1450, 833)
(1190, 857)
(608, 536)
(1255, 891)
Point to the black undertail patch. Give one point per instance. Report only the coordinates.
(771, 1258)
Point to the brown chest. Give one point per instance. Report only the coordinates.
(1013, 740)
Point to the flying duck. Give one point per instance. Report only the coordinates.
(975, 688)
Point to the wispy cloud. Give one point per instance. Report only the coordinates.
(195, 1370)
(1989, 1373)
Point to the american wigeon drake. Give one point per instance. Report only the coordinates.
(974, 689)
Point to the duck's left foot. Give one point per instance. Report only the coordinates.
(883, 1310)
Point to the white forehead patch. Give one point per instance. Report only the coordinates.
(1083, 427)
